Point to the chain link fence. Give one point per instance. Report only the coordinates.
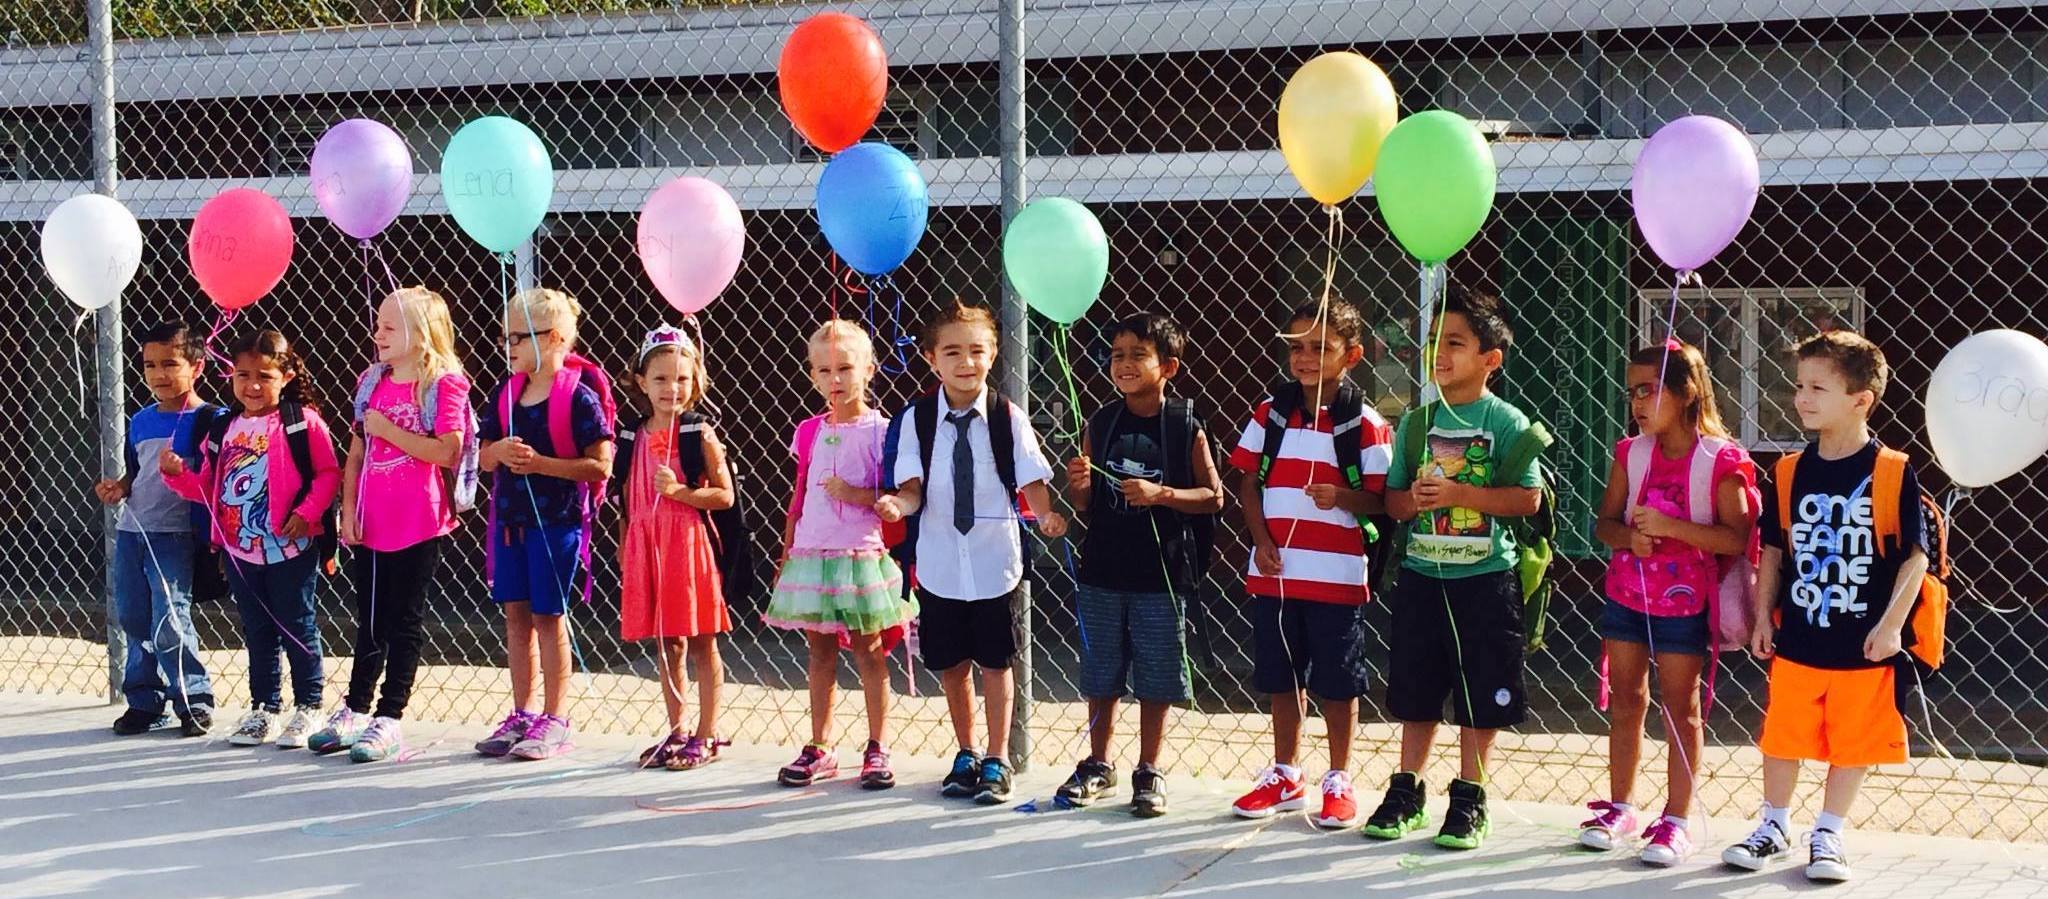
(1905, 157)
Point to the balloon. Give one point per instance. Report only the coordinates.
(362, 176)
(1434, 183)
(497, 179)
(690, 240)
(92, 246)
(1693, 188)
(872, 206)
(1057, 257)
(241, 245)
(1334, 114)
(832, 76)
(1987, 407)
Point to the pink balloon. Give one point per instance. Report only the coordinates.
(362, 176)
(1694, 187)
(690, 240)
(241, 245)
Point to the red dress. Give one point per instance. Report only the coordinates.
(668, 573)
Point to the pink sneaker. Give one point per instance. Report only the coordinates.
(1668, 844)
(813, 764)
(1610, 826)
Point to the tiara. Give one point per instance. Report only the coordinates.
(665, 336)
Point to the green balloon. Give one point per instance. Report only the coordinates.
(497, 180)
(1057, 257)
(1435, 183)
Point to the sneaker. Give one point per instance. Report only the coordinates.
(378, 742)
(1611, 825)
(1401, 812)
(510, 731)
(342, 729)
(1767, 842)
(874, 768)
(1148, 792)
(1274, 791)
(1340, 807)
(1825, 860)
(1465, 824)
(136, 721)
(1092, 780)
(1668, 844)
(995, 781)
(255, 729)
(696, 752)
(196, 723)
(965, 780)
(298, 727)
(546, 738)
(814, 763)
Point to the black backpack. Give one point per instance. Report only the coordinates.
(731, 537)
(1191, 540)
(923, 414)
(1347, 417)
(209, 578)
(298, 439)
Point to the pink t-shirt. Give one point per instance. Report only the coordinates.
(853, 451)
(404, 501)
(1678, 577)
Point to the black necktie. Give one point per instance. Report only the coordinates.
(963, 472)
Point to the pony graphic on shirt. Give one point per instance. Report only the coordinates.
(245, 495)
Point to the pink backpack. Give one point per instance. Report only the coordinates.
(575, 370)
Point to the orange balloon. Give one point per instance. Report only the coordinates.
(833, 76)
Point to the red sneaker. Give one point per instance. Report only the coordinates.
(1274, 791)
(1340, 810)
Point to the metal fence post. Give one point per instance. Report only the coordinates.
(108, 334)
(1015, 351)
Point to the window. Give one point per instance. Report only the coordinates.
(10, 160)
(1747, 335)
(292, 139)
(899, 125)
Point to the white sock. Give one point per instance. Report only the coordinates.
(1828, 822)
(1779, 816)
(1678, 822)
(1623, 807)
(1288, 771)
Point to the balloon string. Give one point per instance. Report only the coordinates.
(369, 288)
(898, 360)
(78, 352)
(1059, 352)
(1332, 234)
(390, 277)
(227, 364)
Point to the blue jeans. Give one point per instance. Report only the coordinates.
(153, 604)
(276, 602)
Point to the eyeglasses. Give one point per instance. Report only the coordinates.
(1642, 391)
(515, 339)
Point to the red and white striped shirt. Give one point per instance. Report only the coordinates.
(1322, 551)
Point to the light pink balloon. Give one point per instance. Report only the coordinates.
(690, 241)
(1694, 187)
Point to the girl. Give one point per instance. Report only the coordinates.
(1665, 567)
(411, 421)
(268, 476)
(838, 583)
(669, 587)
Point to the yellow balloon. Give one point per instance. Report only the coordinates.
(1333, 115)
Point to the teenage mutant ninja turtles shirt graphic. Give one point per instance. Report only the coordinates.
(1464, 444)
(1456, 536)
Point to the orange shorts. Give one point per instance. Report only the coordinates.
(1849, 719)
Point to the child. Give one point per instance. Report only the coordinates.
(1457, 631)
(154, 550)
(672, 468)
(1833, 593)
(268, 476)
(550, 431)
(972, 553)
(412, 422)
(1158, 479)
(1304, 490)
(837, 580)
(1666, 565)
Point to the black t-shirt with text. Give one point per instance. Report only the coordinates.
(1835, 584)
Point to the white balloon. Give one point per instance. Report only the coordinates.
(1987, 407)
(92, 246)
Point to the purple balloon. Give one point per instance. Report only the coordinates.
(362, 176)
(1694, 187)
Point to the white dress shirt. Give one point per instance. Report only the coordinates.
(988, 560)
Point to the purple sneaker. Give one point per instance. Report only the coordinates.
(1609, 827)
(510, 731)
(546, 738)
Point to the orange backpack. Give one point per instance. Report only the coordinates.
(1927, 624)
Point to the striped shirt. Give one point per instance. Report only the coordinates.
(1322, 551)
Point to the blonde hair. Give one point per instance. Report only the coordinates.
(424, 316)
(838, 330)
(545, 305)
(690, 359)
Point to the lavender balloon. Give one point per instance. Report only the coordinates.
(362, 176)
(1694, 187)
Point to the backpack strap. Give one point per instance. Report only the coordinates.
(1002, 440)
(1178, 425)
(430, 406)
(626, 440)
(689, 447)
(1782, 475)
(1887, 481)
(1347, 433)
(1637, 458)
(924, 414)
(1522, 453)
(372, 376)
(1286, 399)
(1415, 433)
(561, 400)
(1700, 484)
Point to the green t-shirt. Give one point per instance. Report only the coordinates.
(1465, 444)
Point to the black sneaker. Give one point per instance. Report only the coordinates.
(1401, 812)
(995, 782)
(1092, 780)
(136, 721)
(1767, 842)
(1148, 792)
(1465, 824)
(965, 780)
(196, 723)
(1826, 862)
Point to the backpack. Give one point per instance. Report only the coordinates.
(923, 414)
(575, 370)
(209, 576)
(298, 441)
(1535, 535)
(1347, 433)
(1187, 549)
(731, 533)
(462, 479)
(1731, 615)
(1927, 625)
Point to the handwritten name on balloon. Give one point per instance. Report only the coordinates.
(2013, 395)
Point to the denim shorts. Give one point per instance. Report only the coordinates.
(1683, 634)
(1134, 639)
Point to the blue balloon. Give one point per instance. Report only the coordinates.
(872, 206)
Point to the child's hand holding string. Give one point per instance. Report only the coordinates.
(665, 481)
(1052, 524)
(170, 464)
(1433, 493)
(1139, 492)
(837, 488)
(376, 425)
(890, 509)
(110, 491)
(517, 455)
(1080, 476)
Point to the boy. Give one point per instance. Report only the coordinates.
(969, 553)
(1457, 630)
(1841, 594)
(1157, 498)
(155, 544)
(1314, 462)
(539, 529)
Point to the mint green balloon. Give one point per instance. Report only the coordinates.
(1057, 257)
(1434, 183)
(498, 181)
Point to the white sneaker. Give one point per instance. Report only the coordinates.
(255, 729)
(1825, 859)
(1767, 842)
(304, 720)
